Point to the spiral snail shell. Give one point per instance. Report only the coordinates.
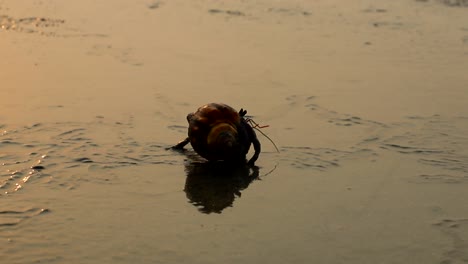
(218, 132)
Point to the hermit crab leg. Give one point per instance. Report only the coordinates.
(257, 149)
(181, 144)
(253, 138)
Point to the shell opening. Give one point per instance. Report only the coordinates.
(224, 134)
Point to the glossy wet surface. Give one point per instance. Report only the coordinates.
(365, 101)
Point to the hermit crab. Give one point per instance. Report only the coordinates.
(217, 132)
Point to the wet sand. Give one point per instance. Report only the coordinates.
(366, 100)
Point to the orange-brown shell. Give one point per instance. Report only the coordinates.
(214, 132)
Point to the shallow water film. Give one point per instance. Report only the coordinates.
(366, 101)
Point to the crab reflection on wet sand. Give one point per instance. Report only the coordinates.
(213, 186)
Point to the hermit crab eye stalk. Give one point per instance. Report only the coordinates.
(242, 112)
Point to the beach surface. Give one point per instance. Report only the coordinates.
(367, 102)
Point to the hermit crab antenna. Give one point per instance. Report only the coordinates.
(257, 127)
